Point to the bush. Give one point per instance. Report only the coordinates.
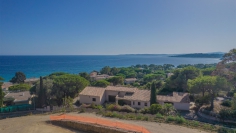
(226, 103)
(139, 117)
(180, 120)
(170, 119)
(155, 108)
(113, 107)
(144, 110)
(199, 101)
(158, 115)
(127, 108)
(226, 130)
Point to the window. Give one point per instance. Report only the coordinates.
(145, 104)
(133, 103)
(94, 99)
(138, 103)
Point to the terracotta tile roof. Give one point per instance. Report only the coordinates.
(176, 97)
(19, 96)
(120, 88)
(93, 91)
(139, 95)
(6, 85)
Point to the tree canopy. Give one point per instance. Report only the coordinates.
(101, 83)
(18, 78)
(117, 80)
(153, 93)
(20, 87)
(68, 85)
(210, 84)
(1, 92)
(178, 81)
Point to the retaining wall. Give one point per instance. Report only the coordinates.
(88, 127)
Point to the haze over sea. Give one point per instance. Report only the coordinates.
(35, 66)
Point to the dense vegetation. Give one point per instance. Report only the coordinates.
(19, 87)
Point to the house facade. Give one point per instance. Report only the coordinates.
(23, 97)
(179, 100)
(130, 96)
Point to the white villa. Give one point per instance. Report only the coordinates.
(131, 96)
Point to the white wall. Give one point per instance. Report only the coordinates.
(134, 104)
(89, 99)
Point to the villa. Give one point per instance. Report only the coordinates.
(131, 96)
(95, 76)
(23, 97)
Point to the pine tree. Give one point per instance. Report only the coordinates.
(1, 93)
(1, 97)
(153, 93)
(41, 96)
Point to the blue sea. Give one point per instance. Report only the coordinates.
(35, 66)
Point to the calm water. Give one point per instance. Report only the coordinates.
(35, 66)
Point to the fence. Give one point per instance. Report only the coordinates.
(14, 108)
(101, 122)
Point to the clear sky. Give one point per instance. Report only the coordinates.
(107, 27)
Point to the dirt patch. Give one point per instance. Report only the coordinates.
(37, 124)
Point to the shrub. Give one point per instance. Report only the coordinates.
(226, 103)
(108, 114)
(113, 107)
(180, 120)
(155, 108)
(170, 119)
(158, 115)
(144, 110)
(127, 108)
(226, 130)
(130, 116)
(145, 118)
(139, 117)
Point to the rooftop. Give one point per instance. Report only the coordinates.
(120, 88)
(140, 95)
(19, 96)
(175, 97)
(93, 91)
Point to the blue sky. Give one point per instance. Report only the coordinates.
(107, 27)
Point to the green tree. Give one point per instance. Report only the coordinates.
(180, 78)
(68, 85)
(114, 70)
(85, 75)
(214, 84)
(234, 102)
(18, 78)
(47, 87)
(41, 96)
(101, 83)
(117, 80)
(227, 67)
(198, 85)
(153, 94)
(208, 71)
(105, 70)
(1, 92)
(167, 108)
(20, 87)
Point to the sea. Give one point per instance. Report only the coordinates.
(36, 66)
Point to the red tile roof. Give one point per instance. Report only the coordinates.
(176, 97)
(93, 91)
